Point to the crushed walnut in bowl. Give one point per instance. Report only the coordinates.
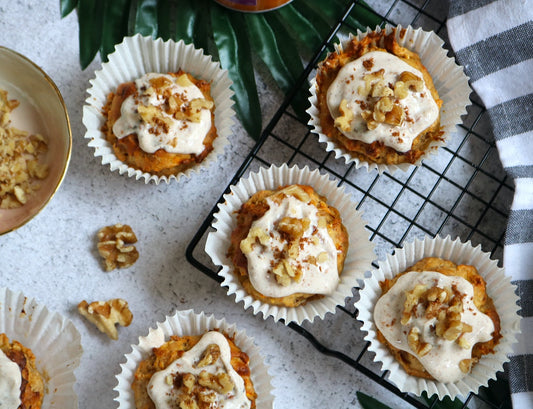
(35, 139)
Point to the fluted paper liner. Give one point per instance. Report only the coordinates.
(499, 288)
(449, 80)
(188, 322)
(139, 55)
(358, 260)
(53, 339)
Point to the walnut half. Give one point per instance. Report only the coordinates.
(106, 314)
(114, 245)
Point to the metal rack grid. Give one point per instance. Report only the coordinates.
(462, 191)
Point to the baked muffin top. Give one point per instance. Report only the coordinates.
(289, 245)
(377, 100)
(438, 313)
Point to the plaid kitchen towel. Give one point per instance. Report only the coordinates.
(493, 40)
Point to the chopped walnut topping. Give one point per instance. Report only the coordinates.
(466, 364)
(106, 314)
(416, 345)
(291, 231)
(199, 391)
(383, 106)
(210, 356)
(20, 167)
(343, 122)
(114, 245)
(412, 81)
(443, 304)
(220, 382)
(177, 105)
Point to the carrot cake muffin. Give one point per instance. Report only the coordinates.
(21, 385)
(161, 123)
(289, 246)
(204, 371)
(437, 319)
(378, 101)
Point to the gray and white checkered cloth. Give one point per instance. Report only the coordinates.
(493, 40)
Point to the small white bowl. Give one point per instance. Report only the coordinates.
(41, 110)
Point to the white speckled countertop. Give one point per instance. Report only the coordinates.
(53, 258)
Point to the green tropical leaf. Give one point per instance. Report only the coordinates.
(368, 402)
(235, 54)
(90, 20)
(164, 18)
(66, 6)
(280, 39)
(303, 32)
(115, 24)
(146, 17)
(294, 63)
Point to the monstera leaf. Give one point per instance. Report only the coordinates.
(279, 39)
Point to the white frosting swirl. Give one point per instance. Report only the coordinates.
(10, 381)
(183, 136)
(442, 361)
(164, 394)
(319, 278)
(420, 107)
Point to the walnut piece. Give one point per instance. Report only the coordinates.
(443, 304)
(291, 232)
(114, 245)
(106, 314)
(177, 105)
(383, 99)
(21, 167)
(343, 122)
(199, 391)
(210, 356)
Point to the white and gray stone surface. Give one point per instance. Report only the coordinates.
(53, 258)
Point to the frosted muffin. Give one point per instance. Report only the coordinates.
(315, 262)
(194, 360)
(19, 378)
(161, 123)
(378, 101)
(440, 316)
(437, 319)
(289, 246)
(180, 142)
(201, 371)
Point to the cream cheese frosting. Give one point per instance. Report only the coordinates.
(442, 361)
(175, 135)
(10, 381)
(164, 394)
(419, 107)
(318, 277)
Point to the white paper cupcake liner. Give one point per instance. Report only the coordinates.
(53, 339)
(448, 78)
(189, 323)
(136, 56)
(358, 260)
(498, 286)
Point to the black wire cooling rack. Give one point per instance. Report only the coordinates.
(462, 191)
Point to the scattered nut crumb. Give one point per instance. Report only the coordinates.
(20, 151)
(106, 314)
(114, 245)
